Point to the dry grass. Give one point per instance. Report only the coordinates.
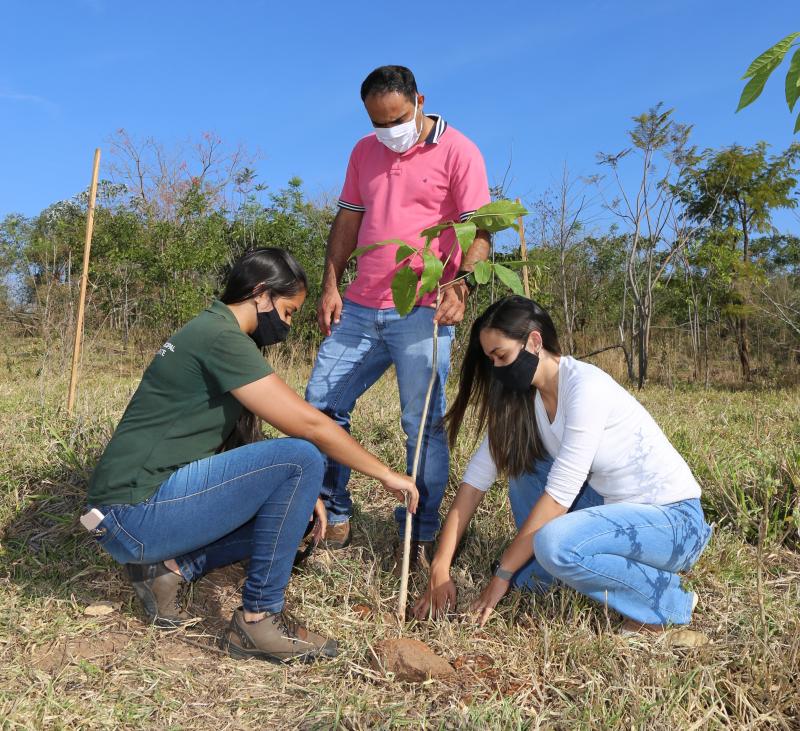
(546, 662)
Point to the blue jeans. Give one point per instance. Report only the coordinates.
(252, 502)
(624, 555)
(357, 353)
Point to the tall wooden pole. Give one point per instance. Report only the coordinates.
(87, 246)
(404, 567)
(523, 252)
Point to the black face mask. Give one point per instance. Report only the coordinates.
(270, 330)
(517, 375)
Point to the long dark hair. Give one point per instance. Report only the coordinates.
(508, 416)
(270, 270)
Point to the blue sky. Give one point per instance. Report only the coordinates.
(537, 83)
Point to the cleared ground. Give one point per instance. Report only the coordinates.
(549, 662)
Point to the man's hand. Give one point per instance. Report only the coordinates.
(329, 310)
(484, 605)
(452, 304)
(403, 488)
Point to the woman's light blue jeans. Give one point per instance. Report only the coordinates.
(624, 555)
(359, 350)
(252, 502)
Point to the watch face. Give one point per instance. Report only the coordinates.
(468, 278)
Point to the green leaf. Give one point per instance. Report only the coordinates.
(465, 233)
(498, 215)
(797, 124)
(404, 290)
(771, 57)
(432, 272)
(516, 263)
(509, 278)
(755, 86)
(434, 231)
(793, 81)
(361, 250)
(482, 272)
(404, 251)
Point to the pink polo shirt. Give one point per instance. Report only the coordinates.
(443, 179)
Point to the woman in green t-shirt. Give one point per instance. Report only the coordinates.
(187, 484)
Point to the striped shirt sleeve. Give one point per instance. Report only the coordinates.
(350, 199)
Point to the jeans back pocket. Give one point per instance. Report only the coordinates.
(116, 541)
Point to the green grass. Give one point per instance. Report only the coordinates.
(544, 662)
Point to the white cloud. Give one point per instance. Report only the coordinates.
(40, 101)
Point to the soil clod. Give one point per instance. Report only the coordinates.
(410, 660)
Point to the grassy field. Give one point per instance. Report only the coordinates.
(546, 662)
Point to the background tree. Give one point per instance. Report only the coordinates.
(780, 293)
(651, 219)
(558, 227)
(163, 243)
(736, 189)
(709, 264)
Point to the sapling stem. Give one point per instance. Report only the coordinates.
(404, 305)
(401, 605)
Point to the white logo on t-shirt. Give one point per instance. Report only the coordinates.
(168, 346)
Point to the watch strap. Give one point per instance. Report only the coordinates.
(468, 278)
(502, 573)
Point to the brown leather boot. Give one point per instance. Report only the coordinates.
(277, 638)
(159, 590)
(419, 560)
(337, 536)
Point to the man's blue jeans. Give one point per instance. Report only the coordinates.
(252, 502)
(357, 353)
(624, 555)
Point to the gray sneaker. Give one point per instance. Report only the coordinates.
(277, 638)
(159, 591)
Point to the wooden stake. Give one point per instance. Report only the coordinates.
(87, 246)
(401, 604)
(523, 250)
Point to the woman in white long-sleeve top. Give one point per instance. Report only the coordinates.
(553, 423)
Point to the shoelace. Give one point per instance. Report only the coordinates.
(287, 623)
(180, 595)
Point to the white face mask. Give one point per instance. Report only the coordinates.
(401, 137)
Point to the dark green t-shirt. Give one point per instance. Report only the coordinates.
(182, 411)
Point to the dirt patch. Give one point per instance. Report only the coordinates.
(476, 664)
(101, 650)
(217, 594)
(476, 670)
(186, 652)
(410, 660)
(113, 646)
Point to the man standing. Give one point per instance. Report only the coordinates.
(415, 171)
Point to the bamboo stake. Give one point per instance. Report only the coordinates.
(523, 250)
(87, 246)
(401, 605)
